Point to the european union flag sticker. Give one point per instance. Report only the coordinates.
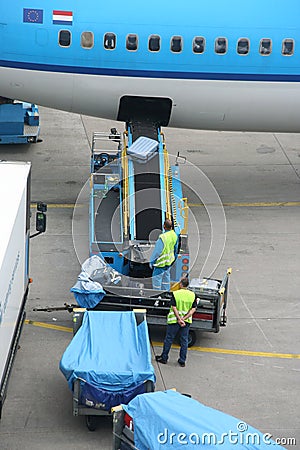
(31, 15)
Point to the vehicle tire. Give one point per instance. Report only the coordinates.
(150, 386)
(91, 422)
(192, 338)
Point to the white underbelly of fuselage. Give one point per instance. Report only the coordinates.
(198, 104)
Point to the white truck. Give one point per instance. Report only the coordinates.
(14, 260)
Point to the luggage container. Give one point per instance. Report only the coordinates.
(143, 149)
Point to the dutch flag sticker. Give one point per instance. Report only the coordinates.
(62, 17)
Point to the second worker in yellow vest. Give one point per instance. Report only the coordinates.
(183, 306)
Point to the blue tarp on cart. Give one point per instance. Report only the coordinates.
(109, 352)
(171, 420)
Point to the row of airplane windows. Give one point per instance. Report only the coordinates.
(176, 43)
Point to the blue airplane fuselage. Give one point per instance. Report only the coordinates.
(43, 59)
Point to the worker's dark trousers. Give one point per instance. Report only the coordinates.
(172, 330)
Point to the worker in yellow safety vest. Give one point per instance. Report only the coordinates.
(183, 306)
(163, 256)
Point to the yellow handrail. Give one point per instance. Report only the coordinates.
(166, 177)
(184, 210)
(125, 185)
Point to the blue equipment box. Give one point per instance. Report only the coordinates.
(11, 119)
(143, 149)
(32, 117)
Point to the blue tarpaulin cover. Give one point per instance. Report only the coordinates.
(104, 399)
(157, 415)
(109, 351)
(87, 293)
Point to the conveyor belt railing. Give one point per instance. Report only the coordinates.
(184, 209)
(125, 187)
(166, 178)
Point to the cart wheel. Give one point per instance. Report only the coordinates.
(192, 338)
(91, 422)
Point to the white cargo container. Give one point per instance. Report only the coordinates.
(14, 247)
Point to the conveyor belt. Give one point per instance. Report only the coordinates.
(147, 186)
(107, 224)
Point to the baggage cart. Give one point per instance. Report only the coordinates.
(107, 362)
(209, 316)
(172, 420)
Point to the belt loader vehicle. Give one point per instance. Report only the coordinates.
(133, 189)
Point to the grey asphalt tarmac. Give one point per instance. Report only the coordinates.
(251, 369)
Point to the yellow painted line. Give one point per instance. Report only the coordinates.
(197, 349)
(251, 204)
(195, 205)
(247, 353)
(49, 326)
(238, 352)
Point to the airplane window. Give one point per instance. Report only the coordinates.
(265, 47)
(198, 44)
(243, 46)
(109, 41)
(221, 45)
(287, 47)
(154, 43)
(87, 39)
(132, 42)
(64, 38)
(176, 44)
